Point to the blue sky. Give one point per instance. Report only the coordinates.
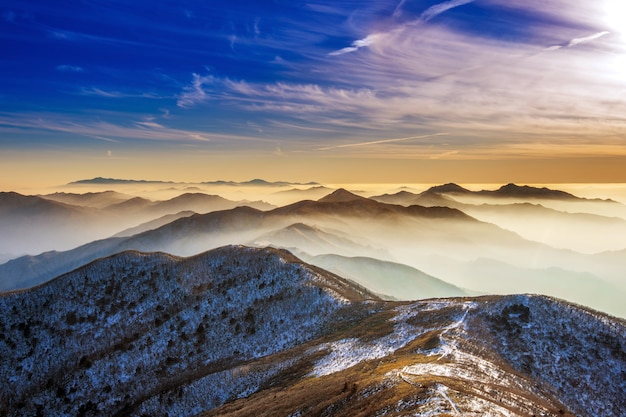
(142, 82)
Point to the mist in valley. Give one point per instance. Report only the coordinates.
(567, 246)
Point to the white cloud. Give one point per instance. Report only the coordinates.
(381, 141)
(577, 41)
(138, 130)
(398, 10)
(427, 15)
(437, 9)
(195, 93)
(585, 39)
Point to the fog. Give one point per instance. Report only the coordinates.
(490, 246)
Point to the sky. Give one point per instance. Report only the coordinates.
(331, 91)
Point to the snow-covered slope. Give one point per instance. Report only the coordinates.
(243, 331)
(118, 332)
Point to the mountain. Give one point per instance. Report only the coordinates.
(122, 331)
(240, 331)
(200, 203)
(525, 191)
(114, 181)
(130, 206)
(29, 224)
(430, 239)
(497, 277)
(258, 183)
(198, 233)
(344, 203)
(401, 197)
(582, 232)
(390, 280)
(297, 194)
(96, 200)
(509, 191)
(492, 356)
(450, 188)
(196, 202)
(341, 196)
(300, 237)
(39, 224)
(153, 224)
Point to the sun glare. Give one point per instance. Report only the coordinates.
(615, 11)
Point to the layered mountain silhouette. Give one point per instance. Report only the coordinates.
(442, 242)
(94, 199)
(36, 224)
(241, 331)
(389, 280)
(193, 234)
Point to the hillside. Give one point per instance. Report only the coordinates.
(388, 279)
(122, 330)
(241, 331)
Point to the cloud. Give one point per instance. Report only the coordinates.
(69, 68)
(577, 41)
(94, 91)
(440, 8)
(367, 41)
(381, 141)
(398, 10)
(195, 93)
(427, 15)
(137, 130)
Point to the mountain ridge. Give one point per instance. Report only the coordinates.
(243, 331)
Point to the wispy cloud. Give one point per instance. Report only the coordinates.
(578, 41)
(361, 43)
(94, 91)
(440, 8)
(145, 130)
(398, 10)
(381, 141)
(427, 15)
(195, 93)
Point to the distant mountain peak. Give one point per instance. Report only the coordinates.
(514, 190)
(302, 227)
(341, 196)
(447, 188)
(101, 180)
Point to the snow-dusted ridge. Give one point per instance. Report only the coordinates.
(244, 331)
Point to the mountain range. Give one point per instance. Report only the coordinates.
(442, 243)
(41, 223)
(241, 331)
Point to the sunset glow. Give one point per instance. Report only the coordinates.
(470, 91)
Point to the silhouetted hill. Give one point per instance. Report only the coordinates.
(400, 198)
(341, 196)
(154, 224)
(107, 181)
(314, 241)
(97, 200)
(388, 279)
(450, 188)
(29, 223)
(525, 191)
